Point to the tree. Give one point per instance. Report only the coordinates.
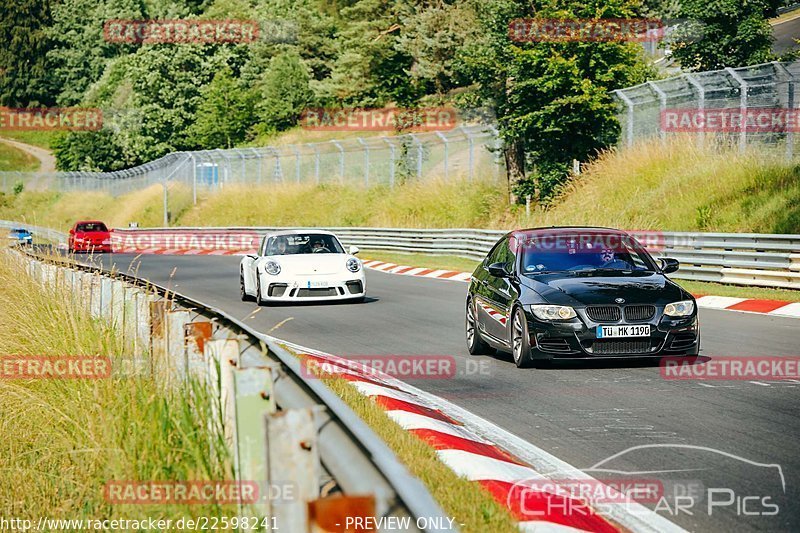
(81, 51)
(551, 98)
(724, 33)
(284, 92)
(224, 114)
(23, 74)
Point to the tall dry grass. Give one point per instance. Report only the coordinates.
(677, 186)
(63, 440)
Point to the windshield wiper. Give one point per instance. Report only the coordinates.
(602, 270)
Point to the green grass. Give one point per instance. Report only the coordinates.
(460, 264)
(12, 158)
(40, 138)
(65, 439)
(61, 210)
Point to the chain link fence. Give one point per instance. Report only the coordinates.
(466, 151)
(745, 106)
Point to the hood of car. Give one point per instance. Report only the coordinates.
(311, 264)
(633, 288)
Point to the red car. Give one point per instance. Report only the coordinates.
(89, 236)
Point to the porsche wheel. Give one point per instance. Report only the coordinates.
(259, 301)
(242, 293)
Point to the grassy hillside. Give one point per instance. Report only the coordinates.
(61, 210)
(12, 158)
(675, 187)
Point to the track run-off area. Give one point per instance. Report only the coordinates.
(738, 436)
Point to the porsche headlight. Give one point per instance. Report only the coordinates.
(553, 312)
(684, 308)
(272, 268)
(353, 265)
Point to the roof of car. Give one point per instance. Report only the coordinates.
(304, 230)
(90, 222)
(570, 229)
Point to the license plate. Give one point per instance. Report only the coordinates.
(316, 284)
(606, 332)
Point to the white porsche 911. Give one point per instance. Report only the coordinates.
(295, 265)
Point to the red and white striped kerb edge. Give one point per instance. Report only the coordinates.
(770, 307)
(477, 459)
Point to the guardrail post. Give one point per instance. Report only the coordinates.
(177, 358)
(118, 305)
(292, 456)
(221, 356)
(158, 339)
(196, 334)
(143, 327)
(129, 320)
(254, 400)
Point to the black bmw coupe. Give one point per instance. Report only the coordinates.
(578, 293)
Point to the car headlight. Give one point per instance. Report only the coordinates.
(684, 308)
(353, 265)
(272, 268)
(553, 312)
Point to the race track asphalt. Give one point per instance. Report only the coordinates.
(582, 413)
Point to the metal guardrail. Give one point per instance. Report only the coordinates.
(755, 259)
(261, 373)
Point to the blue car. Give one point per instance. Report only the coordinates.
(20, 236)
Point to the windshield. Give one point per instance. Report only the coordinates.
(90, 227)
(304, 243)
(585, 253)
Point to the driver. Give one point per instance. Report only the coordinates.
(318, 246)
(281, 246)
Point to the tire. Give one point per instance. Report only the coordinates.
(259, 301)
(245, 297)
(475, 344)
(520, 339)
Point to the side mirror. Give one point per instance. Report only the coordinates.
(498, 270)
(72, 231)
(353, 250)
(669, 265)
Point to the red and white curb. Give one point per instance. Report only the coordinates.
(769, 307)
(480, 451)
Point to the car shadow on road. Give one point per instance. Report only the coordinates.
(318, 303)
(588, 364)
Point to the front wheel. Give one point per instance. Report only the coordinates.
(259, 301)
(520, 340)
(475, 344)
(242, 293)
